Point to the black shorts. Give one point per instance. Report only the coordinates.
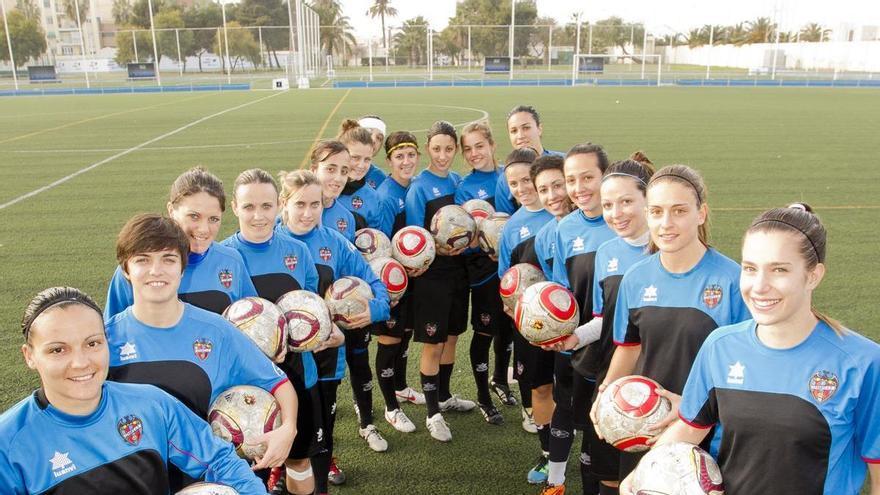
(533, 365)
(563, 380)
(582, 392)
(439, 306)
(356, 338)
(395, 326)
(487, 310)
(309, 439)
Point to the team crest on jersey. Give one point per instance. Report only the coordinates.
(430, 329)
(131, 429)
(357, 203)
(823, 384)
(325, 253)
(61, 464)
(290, 262)
(202, 348)
(391, 323)
(712, 295)
(650, 294)
(341, 224)
(225, 278)
(485, 318)
(613, 265)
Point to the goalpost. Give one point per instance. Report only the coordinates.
(626, 69)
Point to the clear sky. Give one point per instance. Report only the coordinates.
(660, 16)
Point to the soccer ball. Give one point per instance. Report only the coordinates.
(627, 408)
(241, 414)
(453, 227)
(262, 322)
(372, 244)
(347, 297)
(478, 209)
(308, 320)
(208, 489)
(677, 469)
(489, 233)
(393, 275)
(516, 280)
(546, 313)
(413, 247)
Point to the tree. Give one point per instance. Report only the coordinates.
(814, 33)
(242, 46)
(172, 18)
(203, 16)
(337, 39)
(613, 32)
(68, 8)
(126, 37)
(28, 38)
(267, 13)
(412, 40)
(382, 8)
(487, 41)
(737, 34)
(122, 12)
(539, 41)
(140, 15)
(761, 30)
(29, 8)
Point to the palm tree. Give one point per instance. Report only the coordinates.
(761, 30)
(338, 38)
(122, 12)
(814, 33)
(69, 9)
(737, 34)
(411, 38)
(382, 8)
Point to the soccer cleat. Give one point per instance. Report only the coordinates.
(398, 419)
(455, 404)
(374, 438)
(502, 390)
(538, 474)
(438, 428)
(335, 476)
(277, 484)
(491, 414)
(528, 422)
(553, 490)
(410, 395)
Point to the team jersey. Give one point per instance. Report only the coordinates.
(278, 266)
(517, 244)
(363, 202)
(577, 239)
(427, 194)
(671, 314)
(195, 360)
(798, 421)
(337, 217)
(504, 200)
(478, 185)
(212, 280)
(375, 176)
(124, 446)
(545, 247)
(393, 211)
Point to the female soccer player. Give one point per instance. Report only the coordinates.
(375, 176)
(301, 198)
(330, 161)
(357, 196)
(796, 391)
(668, 303)
(548, 175)
(81, 434)
(190, 353)
(215, 275)
(487, 311)
(439, 295)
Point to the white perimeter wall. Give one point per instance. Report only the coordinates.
(862, 56)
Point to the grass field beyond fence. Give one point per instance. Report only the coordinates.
(757, 148)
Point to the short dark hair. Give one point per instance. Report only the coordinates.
(546, 162)
(521, 155)
(55, 297)
(442, 127)
(149, 233)
(527, 109)
(590, 148)
(194, 181)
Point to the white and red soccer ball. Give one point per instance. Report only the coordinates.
(241, 414)
(479, 209)
(677, 468)
(546, 313)
(453, 227)
(393, 275)
(308, 320)
(372, 244)
(627, 408)
(346, 298)
(516, 280)
(203, 488)
(413, 247)
(489, 232)
(262, 322)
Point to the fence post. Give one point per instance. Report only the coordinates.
(134, 41)
(370, 56)
(470, 53)
(550, 49)
(590, 41)
(82, 43)
(577, 53)
(262, 57)
(512, 27)
(709, 55)
(155, 46)
(9, 45)
(226, 42)
(179, 55)
(644, 48)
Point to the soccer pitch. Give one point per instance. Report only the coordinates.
(756, 147)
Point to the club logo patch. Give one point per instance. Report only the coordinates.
(225, 278)
(712, 295)
(357, 203)
(823, 384)
(391, 323)
(430, 329)
(202, 348)
(131, 429)
(341, 224)
(290, 262)
(485, 318)
(325, 253)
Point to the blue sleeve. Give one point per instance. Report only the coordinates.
(560, 274)
(542, 257)
(867, 421)
(250, 366)
(738, 306)
(696, 394)
(621, 316)
(415, 207)
(349, 230)
(387, 212)
(503, 202)
(311, 271)
(10, 482)
(460, 196)
(195, 450)
(119, 295)
(504, 251)
(355, 266)
(598, 296)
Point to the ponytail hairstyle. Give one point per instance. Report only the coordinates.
(588, 148)
(527, 109)
(351, 132)
(51, 298)
(194, 181)
(481, 127)
(690, 179)
(253, 176)
(292, 183)
(400, 139)
(323, 150)
(798, 219)
(525, 156)
(639, 171)
(442, 127)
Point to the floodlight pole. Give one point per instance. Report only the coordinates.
(470, 53)
(262, 56)
(709, 55)
(644, 48)
(512, 24)
(155, 46)
(9, 44)
(134, 41)
(577, 53)
(370, 56)
(290, 44)
(179, 55)
(82, 42)
(300, 41)
(550, 49)
(226, 42)
(590, 41)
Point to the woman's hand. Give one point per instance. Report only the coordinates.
(277, 443)
(657, 428)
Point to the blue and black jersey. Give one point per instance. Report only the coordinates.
(375, 176)
(363, 202)
(337, 217)
(393, 210)
(671, 314)
(124, 446)
(427, 194)
(504, 200)
(195, 360)
(807, 415)
(517, 244)
(278, 266)
(478, 185)
(212, 280)
(545, 247)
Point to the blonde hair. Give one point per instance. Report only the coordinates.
(351, 132)
(292, 183)
(481, 127)
(253, 176)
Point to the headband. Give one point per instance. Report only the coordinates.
(373, 123)
(402, 145)
(622, 174)
(26, 326)
(694, 186)
(795, 227)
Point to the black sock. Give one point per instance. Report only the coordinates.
(445, 378)
(608, 490)
(400, 362)
(561, 433)
(480, 366)
(525, 392)
(544, 436)
(362, 384)
(503, 347)
(385, 355)
(320, 470)
(432, 394)
(588, 481)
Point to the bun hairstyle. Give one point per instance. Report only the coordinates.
(442, 127)
(640, 157)
(692, 180)
(51, 298)
(351, 132)
(799, 220)
(194, 181)
(527, 109)
(640, 171)
(400, 139)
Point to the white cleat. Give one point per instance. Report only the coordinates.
(374, 438)
(398, 419)
(528, 422)
(410, 395)
(438, 428)
(455, 404)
